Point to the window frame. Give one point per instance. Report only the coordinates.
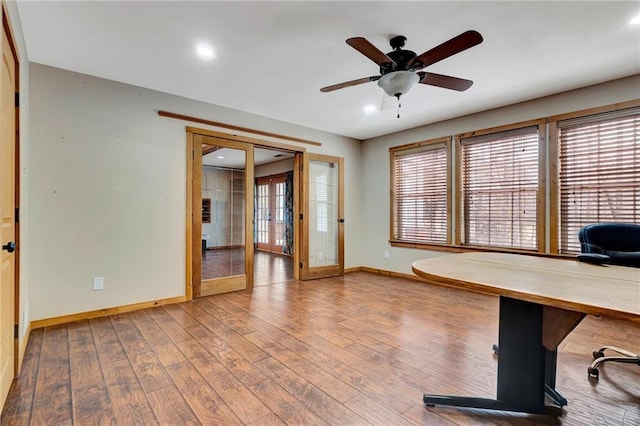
(447, 140)
(548, 189)
(555, 195)
(541, 198)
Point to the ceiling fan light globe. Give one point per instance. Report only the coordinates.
(398, 83)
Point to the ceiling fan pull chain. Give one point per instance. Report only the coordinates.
(399, 106)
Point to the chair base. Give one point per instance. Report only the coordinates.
(599, 358)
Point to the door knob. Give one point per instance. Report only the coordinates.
(341, 220)
(11, 247)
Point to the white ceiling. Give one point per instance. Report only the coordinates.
(273, 57)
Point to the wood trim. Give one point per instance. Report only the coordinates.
(457, 181)
(596, 110)
(238, 138)
(353, 269)
(196, 218)
(224, 285)
(234, 127)
(542, 188)
(463, 248)
(23, 346)
(297, 224)
(503, 128)
(449, 152)
(443, 139)
(422, 246)
(189, 220)
(249, 183)
(341, 222)
(391, 273)
(303, 219)
(554, 189)
(64, 319)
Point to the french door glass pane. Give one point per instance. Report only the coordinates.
(223, 175)
(323, 214)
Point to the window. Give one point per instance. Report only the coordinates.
(598, 172)
(419, 192)
(499, 189)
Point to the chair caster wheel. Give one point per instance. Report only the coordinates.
(593, 372)
(597, 354)
(495, 349)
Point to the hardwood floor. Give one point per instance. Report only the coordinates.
(358, 349)
(268, 268)
(222, 263)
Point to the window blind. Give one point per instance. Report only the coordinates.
(419, 193)
(499, 189)
(599, 172)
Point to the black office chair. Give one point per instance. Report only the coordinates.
(617, 244)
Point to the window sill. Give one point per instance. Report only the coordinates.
(460, 249)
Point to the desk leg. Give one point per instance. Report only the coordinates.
(525, 367)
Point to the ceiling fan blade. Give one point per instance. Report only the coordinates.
(349, 83)
(456, 45)
(363, 46)
(445, 81)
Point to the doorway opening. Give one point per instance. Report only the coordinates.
(274, 224)
(299, 239)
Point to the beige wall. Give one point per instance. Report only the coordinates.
(376, 178)
(107, 190)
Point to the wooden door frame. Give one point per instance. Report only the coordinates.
(280, 177)
(322, 271)
(193, 200)
(17, 351)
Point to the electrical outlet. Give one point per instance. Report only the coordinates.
(98, 283)
(386, 254)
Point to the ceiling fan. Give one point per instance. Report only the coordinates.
(400, 69)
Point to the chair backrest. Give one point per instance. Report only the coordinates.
(619, 241)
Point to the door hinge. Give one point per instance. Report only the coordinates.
(17, 215)
(16, 330)
(17, 100)
(300, 265)
(301, 216)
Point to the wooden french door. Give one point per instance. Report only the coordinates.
(8, 233)
(270, 213)
(222, 225)
(323, 216)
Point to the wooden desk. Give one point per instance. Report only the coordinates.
(541, 301)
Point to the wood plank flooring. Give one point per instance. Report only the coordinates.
(269, 268)
(353, 350)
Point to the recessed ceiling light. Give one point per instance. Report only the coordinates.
(369, 108)
(204, 51)
(636, 20)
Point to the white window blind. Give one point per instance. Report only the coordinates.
(419, 193)
(499, 189)
(599, 172)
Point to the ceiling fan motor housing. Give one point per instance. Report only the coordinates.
(401, 58)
